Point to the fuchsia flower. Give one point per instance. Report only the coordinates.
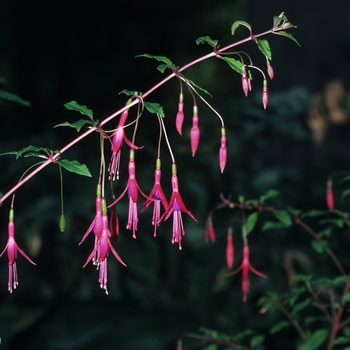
(12, 249)
(176, 206)
(157, 197)
(223, 150)
(180, 114)
(229, 248)
(101, 251)
(329, 196)
(245, 82)
(209, 230)
(133, 189)
(195, 133)
(245, 267)
(265, 95)
(118, 137)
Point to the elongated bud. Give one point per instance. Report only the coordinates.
(250, 84)
(265, 95)
(245, 84)
(270, 71)
(223, 150)
(195, 133)
(229, 248)
(62, 223)
(179, 345)
(209, 233)
(180, 115)
(330, 198)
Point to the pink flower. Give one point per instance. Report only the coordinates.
(329, 195)
(245, 267)
(229, 248)
(12, 249)
(209, 230)
(101, 251)
(176, 206)
(180, 115)
(265, 95)
(133, 189)
(223, 150)
(245, 83)
(195, 133)
(156, 197)
(118, 137)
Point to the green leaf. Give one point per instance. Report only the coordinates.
(162, 67)
(325, 233)
(345, 193)
(198, 87)
(288, 35)
(284, 217)
(208, 40)
(313, 213)
(77, 125)
(293, 211)
(264, 47)
(270, 194)
(270, 225)
(240, 23)
(302, 278)
(74, 106)
(212, 346)
(74, 167)
(301, 306)
(315, 340)
(14, 98)
(345, 178)
(279, 326)
(319, 246)
(341, 340)
(236, 65)
(163, 59)
(30, 151)
(251, 221)
(346, 297)
(256, 340)
(337, 222)
(341, 280)
(153, 107)
(130, 93)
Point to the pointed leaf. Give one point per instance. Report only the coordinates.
(234, 64)
(130, 93)
(74, 106)
(319, 246)
(77, 125)
(264, 47)
(315, 340)
(156, 108)
(272, 225)
(14, 98)
(346, 297)
(284, 217)
(251, 221)
(345, 193)
(270, 194)
(341, 340)
(163, 59)
(162, 67)
(74, 167)
(288, 35)
(212, 347)
(256, 340)
(279, 326)
(198, 87)
(30, 151)
(208, 40)
(240, 23)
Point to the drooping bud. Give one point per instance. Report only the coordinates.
(179, 345)
(270, 71)
(229, 248)
(250, 84)
(180, 114)
(245, 83)
(329, 195)
(62, 223)
(195, 133)
(265, 95)
(223, 150)
(209, 233)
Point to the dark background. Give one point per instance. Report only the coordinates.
(57, 51)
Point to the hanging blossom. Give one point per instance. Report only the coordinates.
(156, 197)
(245, 267)
(194, 133)
(102, 246)
(133, 193)
(118, 138)
(176, 206)
(12, 249)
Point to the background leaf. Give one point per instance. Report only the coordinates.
(74, 167)
(75, 106)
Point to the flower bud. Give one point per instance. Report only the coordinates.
(245, 83)
(329, 195)
(209, 230)
(180, 115)
(195, 133)
(229, 248)
(265, 95)
(223, 150)
(62, 223)
(270, 71)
